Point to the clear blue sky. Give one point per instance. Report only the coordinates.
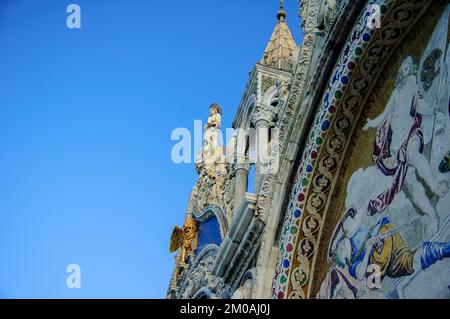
(86, 118)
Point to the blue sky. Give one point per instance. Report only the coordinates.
(86, 118)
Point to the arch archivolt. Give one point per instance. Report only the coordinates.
(270, 96)
(356, 71)
(249, 107)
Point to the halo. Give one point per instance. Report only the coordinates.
(217, 107)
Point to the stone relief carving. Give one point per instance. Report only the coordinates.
(214, 187)
(308, 12)
(266, 83)
(197, 277)
(282, 90)
(244, 291)
(200, 281)
(214, 184)
(246, 288)
(219, 191)
(263, 112)
(328, 12)
(229, 193)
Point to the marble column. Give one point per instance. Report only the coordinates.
(242, 169)
(262, 117)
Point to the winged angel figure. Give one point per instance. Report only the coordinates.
(184, 238)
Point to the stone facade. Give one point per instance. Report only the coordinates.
(352, 201)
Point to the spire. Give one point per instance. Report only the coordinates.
(282, 49)
(281, 15)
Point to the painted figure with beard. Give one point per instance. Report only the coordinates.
(360, 240)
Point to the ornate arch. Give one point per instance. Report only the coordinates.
(356, 71)
(205, 293)
(214, 211)
(249, 276)
(197, 276)
(270, 95)
(248, 110)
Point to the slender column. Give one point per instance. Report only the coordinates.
(262, 141)
(262, 118)
(242, 169)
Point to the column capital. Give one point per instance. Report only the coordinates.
(242, 164)
(263, 115)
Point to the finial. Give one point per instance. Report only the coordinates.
(281, 15)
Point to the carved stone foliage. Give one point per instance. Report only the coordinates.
(214, 184)
(228, 198)
(209, 190)
(199, 277)
(246, 287)
(282, 90)
(308, 12)
(274, 95)
(328, 12)
(214, 189)
(264, 112)
(266, 83)
(361, 60)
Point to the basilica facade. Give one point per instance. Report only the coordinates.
(348, 137)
